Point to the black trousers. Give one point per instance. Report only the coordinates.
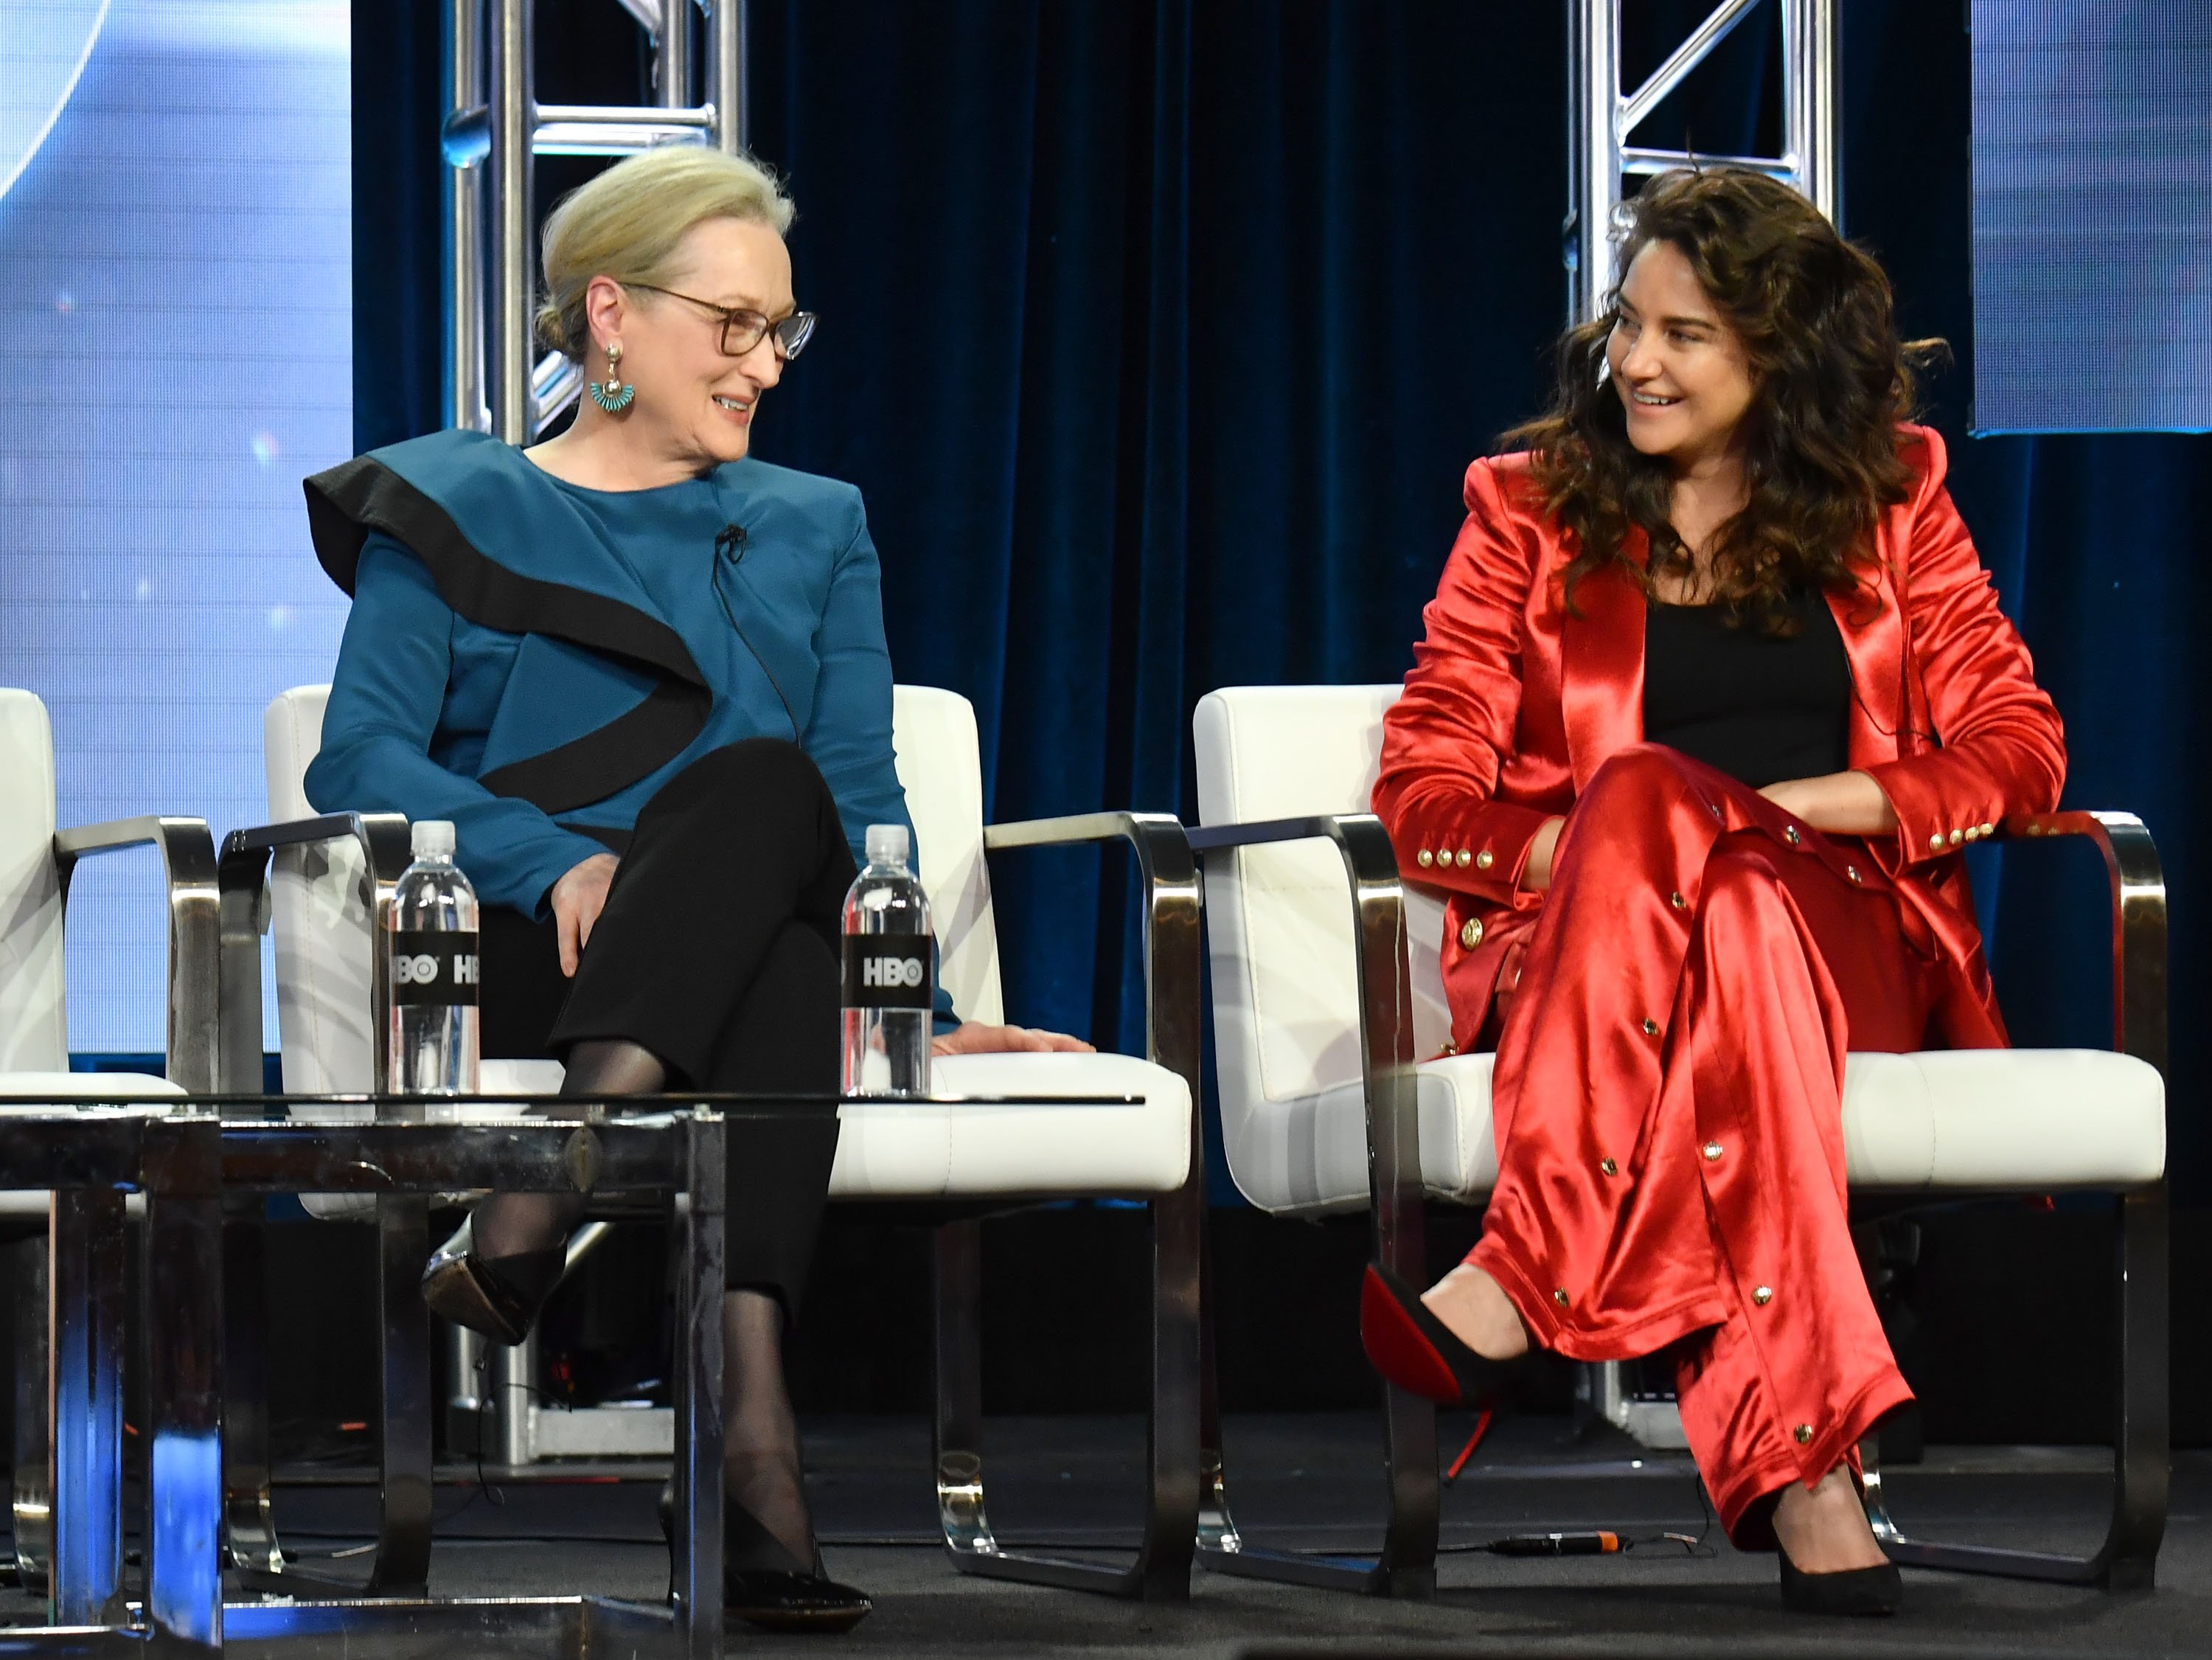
(719, 951)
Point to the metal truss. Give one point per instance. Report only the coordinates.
(494, 130)
(1602, 117)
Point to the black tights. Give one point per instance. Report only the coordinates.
(518, 1224)
(713, 965)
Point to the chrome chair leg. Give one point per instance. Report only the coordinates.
(958, 1283)
(405, 1408)
(2127, 1557)
(1217, 1528)
(1872, 1497)
(467, 1367)
(248, 1523)
(1397, 1572)
(406, 1413)
(1161, 1570)
(34, 1496)
(514, 1385)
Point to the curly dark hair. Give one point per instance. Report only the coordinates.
(1832, 382)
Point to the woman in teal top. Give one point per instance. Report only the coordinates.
(645, 678)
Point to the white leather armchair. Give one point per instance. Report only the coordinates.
(71, 1239)
(1326, 994)
(1029, 1128)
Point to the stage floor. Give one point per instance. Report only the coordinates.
(1312, 1483)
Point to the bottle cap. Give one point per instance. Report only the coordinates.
(433, 838)
(887, 844)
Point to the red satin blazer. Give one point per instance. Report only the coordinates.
(1513, 703)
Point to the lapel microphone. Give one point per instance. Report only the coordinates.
(730, 545)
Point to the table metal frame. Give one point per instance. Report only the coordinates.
(91, 1160)
(406, 1164)
(187, 1162)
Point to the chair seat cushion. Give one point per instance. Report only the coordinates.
(69, 1091)
(1966, 1120)
(72, 1091)
(521, 1077)
(1023, 1141)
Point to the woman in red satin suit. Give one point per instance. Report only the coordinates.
(1714, 691)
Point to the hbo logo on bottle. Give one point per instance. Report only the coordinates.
(422, 969)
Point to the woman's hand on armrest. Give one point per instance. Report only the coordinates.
(1840, 803)
(577, 899)
(973, 1037)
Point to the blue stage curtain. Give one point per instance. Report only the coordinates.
(1158, 334)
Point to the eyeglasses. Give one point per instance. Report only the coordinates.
(744, 330)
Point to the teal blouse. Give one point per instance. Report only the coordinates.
(532, 659)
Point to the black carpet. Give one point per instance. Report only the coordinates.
(1313, 1483)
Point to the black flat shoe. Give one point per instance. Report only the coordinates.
(500, 1296)
(765, 1586)
(1416, 1351)
(1861, 1591)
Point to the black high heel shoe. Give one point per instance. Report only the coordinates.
(1861, 1591)
(500, 1298)
(765, 1586)
(1416, 1351)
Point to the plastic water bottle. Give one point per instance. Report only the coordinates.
(431, 965)
(888, 963)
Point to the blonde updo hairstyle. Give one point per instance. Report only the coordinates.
(626, 224)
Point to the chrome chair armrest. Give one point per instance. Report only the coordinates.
(241, 876)
(1161, 1569)
(1406, 1562)
(188, 871)
(1386, 1009)
(2138, 886)
(1169, 880)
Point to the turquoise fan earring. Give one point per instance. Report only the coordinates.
(613, 396)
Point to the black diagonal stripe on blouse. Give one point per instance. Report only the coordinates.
(350, 501)
(591, 768)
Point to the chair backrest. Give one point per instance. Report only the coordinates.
(941, 769)
(34, 1026)
(325, 980)
(323, 947)
(1279, 918)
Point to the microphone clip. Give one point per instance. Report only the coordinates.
(730, 542)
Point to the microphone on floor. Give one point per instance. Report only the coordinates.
(1595, 1542)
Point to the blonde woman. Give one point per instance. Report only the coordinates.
(645, 677)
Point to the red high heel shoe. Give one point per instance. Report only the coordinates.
(1416, 1351)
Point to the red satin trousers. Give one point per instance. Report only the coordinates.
(1667, 1109)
